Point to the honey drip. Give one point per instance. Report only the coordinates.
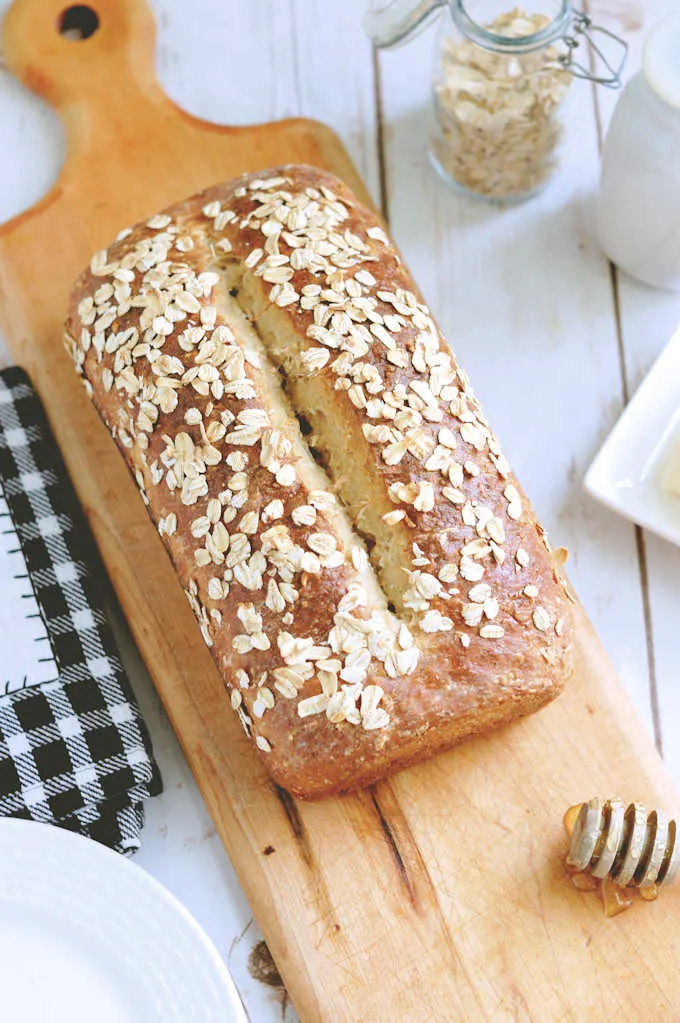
(649, 894)
(584, 882)
(615, 899)
(571, 817)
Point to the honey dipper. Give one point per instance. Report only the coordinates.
(631, 846)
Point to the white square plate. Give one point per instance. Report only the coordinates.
(627, 473)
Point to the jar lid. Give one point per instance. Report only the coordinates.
(660, 60)
(390, 22)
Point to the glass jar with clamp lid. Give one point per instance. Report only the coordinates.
(500, 82)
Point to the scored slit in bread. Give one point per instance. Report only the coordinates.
(205, 337)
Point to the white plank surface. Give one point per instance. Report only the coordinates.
(647, 320)
(523, 294)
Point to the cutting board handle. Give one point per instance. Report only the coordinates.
(114, 55)
(130, 149)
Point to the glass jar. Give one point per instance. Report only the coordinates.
(500, 82)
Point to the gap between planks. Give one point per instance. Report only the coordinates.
(380, 136)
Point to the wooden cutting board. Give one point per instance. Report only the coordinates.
(440, 895)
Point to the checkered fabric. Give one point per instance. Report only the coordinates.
(73, 751)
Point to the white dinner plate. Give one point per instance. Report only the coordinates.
(88, 937)
(627, 473)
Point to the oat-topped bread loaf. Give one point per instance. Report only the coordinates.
(366, 570)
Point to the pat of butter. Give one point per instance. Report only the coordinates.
(671, 478)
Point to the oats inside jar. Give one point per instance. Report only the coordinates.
(498, 123)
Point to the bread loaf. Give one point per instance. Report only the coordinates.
(367, 572)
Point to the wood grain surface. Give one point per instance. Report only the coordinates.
(439, 895)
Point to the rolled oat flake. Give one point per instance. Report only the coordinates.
(501, 79)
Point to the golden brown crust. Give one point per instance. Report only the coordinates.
(337, 688)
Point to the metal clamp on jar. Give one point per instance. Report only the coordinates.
(500, 81)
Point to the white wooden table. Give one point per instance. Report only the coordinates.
(554, 340)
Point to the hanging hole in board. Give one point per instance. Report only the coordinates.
(78, 22)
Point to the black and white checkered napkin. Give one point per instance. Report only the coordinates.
(74, 749)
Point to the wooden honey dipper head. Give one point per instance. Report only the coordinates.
(631, 846)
